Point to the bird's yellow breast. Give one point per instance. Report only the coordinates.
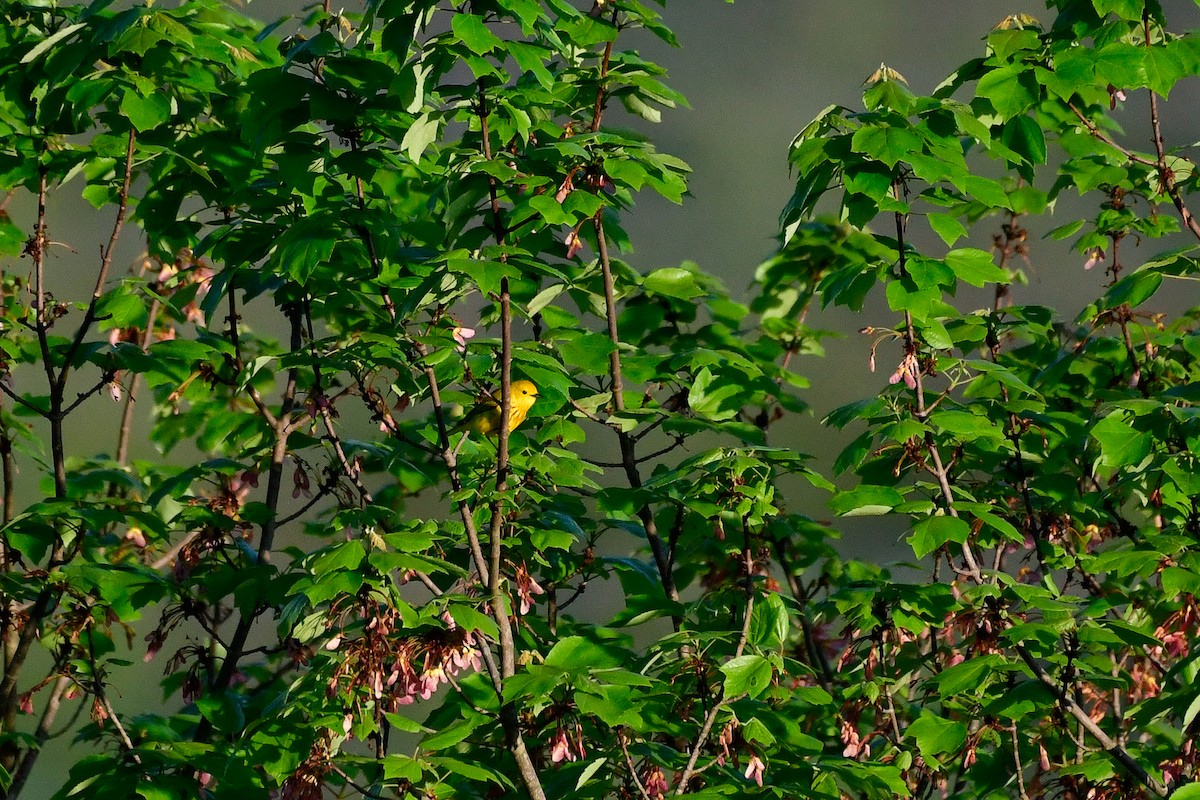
(485, 416)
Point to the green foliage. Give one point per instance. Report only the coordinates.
(354, 228)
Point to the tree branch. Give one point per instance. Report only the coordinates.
(499, 598)
(106, 257)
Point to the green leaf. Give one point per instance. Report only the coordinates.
(885, 143)
(120, 309)
(401, 767)
(932, 532)
(769, 623)
(475, 771)
(865, 500)
(1027, 698)
(576, 654)
(1003, 376)
(985, 190)
(472, 31)
(976, 267)
(1024, 136)
(1120, 445)
(713, 398)
(947, 227)
(935, 334)
(422, 133)
(1184, 472)
(965, 425)
(638, 107)
(1120, 64)
(1133, 289)
(935, 736)
(970, 676)
(613, 705)
(1011, 89)
(146, 112)
(1163, 68)
(551, 210)
(448, 736)
(50, 41)
(470, 619)
(589, 772)
(746, 675)
(1177, 581)
(531, 59)
(890, 94)
(303, 248)
(1125, 9)
(151, 791)
(347, 556)
(1130, 634)
(673, 282)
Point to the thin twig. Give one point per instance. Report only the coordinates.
(637, 781)
(105, 380)
(1165, 174)
(939, 470)
(40, 736)
(4, 387)
(106, 257)
(125, 432)
(629, 459)
(1019, 770)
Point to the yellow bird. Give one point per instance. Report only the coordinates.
(484, 418)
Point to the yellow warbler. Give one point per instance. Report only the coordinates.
(485, 416)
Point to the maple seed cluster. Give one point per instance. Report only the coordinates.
(393, 672)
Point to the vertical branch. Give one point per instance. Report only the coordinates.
(816, 658)
(28, 630)
(496, 509)
(448, 455)
(598, 109)
(42, 322)
(499, 600)
(450, 459)
(365, 234)
(628, 445)
(36, 248)
(1166, 175)
(1010, 241)
(662, 553)
(747, 587)
(1122, 314)
(1019, 767)
(282, 428)
(9, 478)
